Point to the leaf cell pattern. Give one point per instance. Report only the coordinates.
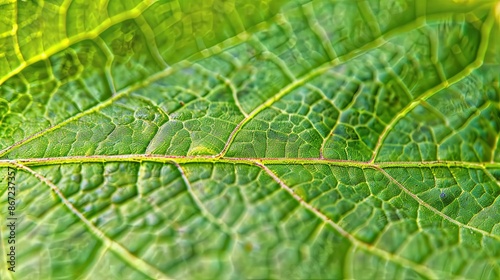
(262, 139)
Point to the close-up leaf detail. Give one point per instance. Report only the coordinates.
(266, 139)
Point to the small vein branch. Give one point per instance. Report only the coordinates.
(132, 260)
(423, 270)
(82, 114)
(426, 205)
(203, 210)
(485, 36)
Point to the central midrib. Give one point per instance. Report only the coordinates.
(242, 160)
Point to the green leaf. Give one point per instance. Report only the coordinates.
(251, 139)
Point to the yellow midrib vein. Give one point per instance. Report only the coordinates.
(242, 160)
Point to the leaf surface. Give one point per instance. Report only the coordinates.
(262, 139)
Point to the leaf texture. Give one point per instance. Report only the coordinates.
(252, 139)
